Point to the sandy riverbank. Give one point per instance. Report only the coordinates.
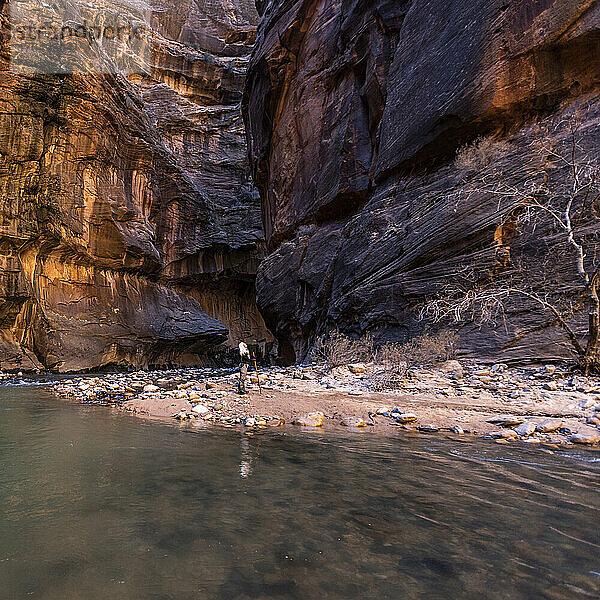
(538, 405)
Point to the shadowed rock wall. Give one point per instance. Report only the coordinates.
(355, 110)
(126, 204)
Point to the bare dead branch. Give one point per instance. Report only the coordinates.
(557, 183)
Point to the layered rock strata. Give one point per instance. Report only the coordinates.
(355, 110)
(126, 202)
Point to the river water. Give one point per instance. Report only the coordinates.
(95, 504)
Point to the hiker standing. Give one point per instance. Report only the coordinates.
(244, 361)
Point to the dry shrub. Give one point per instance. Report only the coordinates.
(428, 350)
(337, 349)
(394, 360)
(392, 367)
(480, 153)
(391, 355)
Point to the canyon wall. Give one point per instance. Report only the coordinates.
(130, 231)
(355, 110)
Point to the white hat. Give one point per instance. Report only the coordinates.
(243, 349)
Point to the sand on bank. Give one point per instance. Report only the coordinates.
(436, 400)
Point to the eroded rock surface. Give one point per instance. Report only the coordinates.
(355, 110)
(129, 229)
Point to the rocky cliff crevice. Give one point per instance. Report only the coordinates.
(355, 110)
(127, 202)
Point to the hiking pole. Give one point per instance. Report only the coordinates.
(257, 376)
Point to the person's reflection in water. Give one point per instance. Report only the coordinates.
(246, 456)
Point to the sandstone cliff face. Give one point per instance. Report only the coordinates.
(126, 205)
(355, 110)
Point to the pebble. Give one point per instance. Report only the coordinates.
(551, 386)
(313, 419)
(200, 409)
(151, 388)
(353, 422)
(525, 429)
(585, 438)
(406, 417)
(357, 368)
(506, 420)
(457, 429)
(505, 434)
(451, 366)
(550, 445)
(549, 425)
(427, 428)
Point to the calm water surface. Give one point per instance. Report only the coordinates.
(96, 505)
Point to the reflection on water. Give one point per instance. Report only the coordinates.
(96, 505)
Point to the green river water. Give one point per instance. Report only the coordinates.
(95, 504)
